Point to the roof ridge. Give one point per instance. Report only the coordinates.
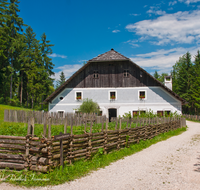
(106, 57)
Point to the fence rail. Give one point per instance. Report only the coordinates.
(40, 117)
(40, 154)
(192, 117)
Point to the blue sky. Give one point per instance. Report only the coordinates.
(153, 34)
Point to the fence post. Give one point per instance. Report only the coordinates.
(65, 124)
(105, 137)
(119, 132)
(116, 123)
(71, 140)
(89, 138)
(45, 124)
(27, 148)
(49, 128)
(30, 129)
(102, 124)
(107, 123)
(61, 152)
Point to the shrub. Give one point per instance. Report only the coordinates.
(88, 106)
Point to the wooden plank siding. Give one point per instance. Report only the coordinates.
(111, 74)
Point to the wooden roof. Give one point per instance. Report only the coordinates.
(111, 55)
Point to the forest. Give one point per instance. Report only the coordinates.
(25, 66)
(26, 69)
(186, 81)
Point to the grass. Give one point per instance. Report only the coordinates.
(20, 129)
(79, 168)
(193, 120)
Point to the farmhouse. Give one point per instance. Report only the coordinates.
(118, 85)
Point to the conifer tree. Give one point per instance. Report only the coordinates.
(61, 80)
(196, 85)
(156, 75)
(4, 39)
(15, 24)
(183, 73)
(46, 50)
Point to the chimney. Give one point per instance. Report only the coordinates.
(168, 82)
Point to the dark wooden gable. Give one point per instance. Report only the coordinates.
(111, 74)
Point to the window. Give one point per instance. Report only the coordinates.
(167, 113)
(61, 98)
(142, 112)
(100, 113)
(60, 113)
(135, 113)
(96, 74)
(168, 79)
(141, 73)
(77, 112)
(78, 95)
(112, 95)
(142, 95)
(126, 73)
(160, 113)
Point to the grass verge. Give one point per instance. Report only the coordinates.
(79, 168)
(193, 120)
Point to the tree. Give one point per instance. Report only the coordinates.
(46, 50)
(25, 66)
(5, 69)
(196, 84)
(15, 24)
(156, 75)
(88, 106)
(183, 76)
(62, 79)
(161, 77)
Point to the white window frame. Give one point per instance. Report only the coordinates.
(109, 94)
(61, 111)
(81, 95)
(145, 94)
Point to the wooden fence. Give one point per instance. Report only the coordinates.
(41, 154)
(40, 117)
(192, 117)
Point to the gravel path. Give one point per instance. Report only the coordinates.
(171, 164)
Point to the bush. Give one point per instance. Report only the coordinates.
(2, 100)
(127, 115)
(88, 106)
(14, 102)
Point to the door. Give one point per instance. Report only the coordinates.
(112, 113)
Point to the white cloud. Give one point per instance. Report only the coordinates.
(172, 3)
(132, 43)
(57, 55)
(82, 61)
(135, 14)
(162, 60)
(180, 27)
(189, 1)
(115, 31)
(156, 11)
(68, 70)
